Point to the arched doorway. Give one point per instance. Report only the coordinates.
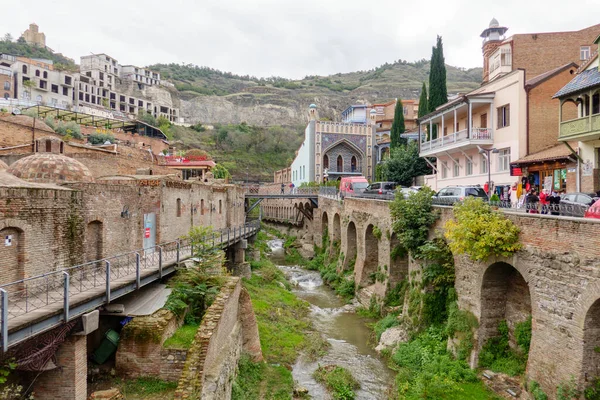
(351, 240)
(591, 342)
(93, 238)
(353, 164)
(325, 228)
(11, 254)
(504, 297)
(398, 262)
(371, 259)
(325, 161)
(340, 164)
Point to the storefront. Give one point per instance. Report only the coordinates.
(545, 170)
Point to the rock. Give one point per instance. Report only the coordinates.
(110, 394)
(300, 391)
(307, 251)
(391, 337)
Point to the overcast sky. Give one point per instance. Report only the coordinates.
(283, 37)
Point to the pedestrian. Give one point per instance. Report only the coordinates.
(514, 196)
(282, 188)
(544, 201)
(554, 200)
(292, 188)
(532, 202)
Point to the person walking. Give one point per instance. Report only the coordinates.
(554, 201)
(282, 188)
(292, 188)
(544, 201)
(532, 200)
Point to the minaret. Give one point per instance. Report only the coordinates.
(492, 37)
(312, 112)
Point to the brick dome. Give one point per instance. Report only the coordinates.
(3, 165)
(50, 168)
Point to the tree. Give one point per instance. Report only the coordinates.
(405, 164)
(8, 37)
(438, 93)
(423, 107)
(398, 126)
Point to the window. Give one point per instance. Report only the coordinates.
(444, 169)
(45, 74)
(353, 164)
(484, 164)
(67, 80)
(504, 160)
(6, 85)
(483, 121)
(81, 96)
(202, 207)
(179, 207)
(43, 85)
(456, 171)
(584, 52)
(37, 72)
(65, 91)
(469, 167)
(24, 69)
(54, 88)
(340, 163)
(405, 110)
(325, 161)
(6, 96)
(220, 206)
(503, 116)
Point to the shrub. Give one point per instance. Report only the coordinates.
(567, 390)
(72, 128)
(220, 172)
(523, 334)
(536, 391)
(100, 138)
(480, 232)
(377, 232)
(412, 218)
(461, 325)
(339, 381)
(395, 296)
(387, 322)
(499, 357)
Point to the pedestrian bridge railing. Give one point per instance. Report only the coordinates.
(64, 294)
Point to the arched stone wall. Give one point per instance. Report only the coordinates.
(370, 263)
(398, 263)
(337, 229)
(324, 225)
(351, 245)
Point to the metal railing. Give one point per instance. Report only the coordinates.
(457, 137)
(56, 290)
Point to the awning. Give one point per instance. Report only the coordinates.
(555, 153)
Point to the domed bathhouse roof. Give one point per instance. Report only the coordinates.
(3, 165)
(313, 105)
(494, 23)
(50, 168)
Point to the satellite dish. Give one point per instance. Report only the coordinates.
(16, 111)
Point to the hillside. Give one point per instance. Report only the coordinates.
(212, 96)
(25, 50)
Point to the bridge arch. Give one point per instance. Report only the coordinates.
(398, 263)
(371, 256)
(505, 296)
(325, 227)
(351, 243)
(337, 229)
(591, 342)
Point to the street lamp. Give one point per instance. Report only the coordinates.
(489, 161)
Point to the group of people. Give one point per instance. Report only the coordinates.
(536, 202)
(292, 187)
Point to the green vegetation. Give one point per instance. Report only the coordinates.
(64, 128)
(326, 261)
(480, 232)
(497, 355)
(220, 172)
(423, 106)
(20, 48)
(395, 295)
(100, 138)
(144, 386)
(568, 390)
(182, 338)
(398, 126)
(438, 91)
(246, 151)
(404, 165)
(261, 381)
(412, 218)
(536, 391)
(592, 392)
(338, 380)
(461, 325)
(386, 322)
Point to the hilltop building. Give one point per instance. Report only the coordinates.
(34, 37)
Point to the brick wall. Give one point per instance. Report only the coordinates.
(69, 380)
(47, 225)
(541, 52)
(543, 111)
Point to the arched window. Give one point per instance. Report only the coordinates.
(325, 161)
(45, 74)
(24, 69)
(37, 72)
(353, 164)
(179, 207)
(202, 207)
(220, 206)
(340, 164)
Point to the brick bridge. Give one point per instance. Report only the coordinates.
(555, 278)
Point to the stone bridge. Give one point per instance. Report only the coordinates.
(555, 278)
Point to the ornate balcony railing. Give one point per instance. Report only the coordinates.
(458, 137)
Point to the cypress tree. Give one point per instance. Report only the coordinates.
(438, 92)
(423, 107)
(398, 126)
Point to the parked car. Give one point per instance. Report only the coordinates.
(381, 188)
(352, 185)
(576, 204)
(406, 191)
(593, 211)
(452, 194)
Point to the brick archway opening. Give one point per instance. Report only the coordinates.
(337, 229)
(350, 251)
(12, 255)
(591, 344)
(398, 265)
(505, 296)
(371, 259)
(325, 227)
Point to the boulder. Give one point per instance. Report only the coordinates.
(110, 394)
(307, 251)
(391, 337)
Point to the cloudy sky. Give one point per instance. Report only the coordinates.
(283, 37)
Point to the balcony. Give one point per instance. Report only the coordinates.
(458, 140)
(581, 128)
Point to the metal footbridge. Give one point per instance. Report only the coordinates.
(35, 305)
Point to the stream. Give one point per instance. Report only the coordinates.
(343, 329)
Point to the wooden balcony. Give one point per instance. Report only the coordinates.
(585, 128)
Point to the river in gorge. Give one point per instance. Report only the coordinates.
(343, 329)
